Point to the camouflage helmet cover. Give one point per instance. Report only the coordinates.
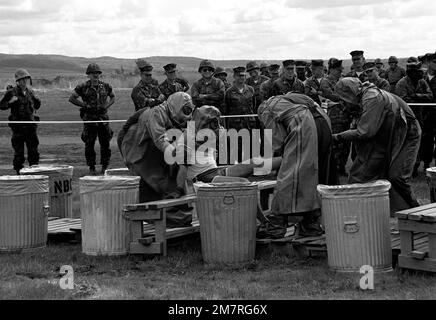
(93, 68)
(22, 74)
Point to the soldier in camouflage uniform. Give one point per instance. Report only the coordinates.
(264, 70)
(255, 80)
(239, 100)
(267, 86)
(287, 82)
(23, 102)
(147, 93)
(429, 130)
(221, 74)
(208, 91)
(358, 61)
(394, 73)
(94, 106)
(170, 85)
(414, 89)
(371, 72)
(381, 72)
(312, 85)
(300, 67)
(339, 115)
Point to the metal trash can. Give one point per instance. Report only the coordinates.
(357, 226)
(24, 207)
(227, 214)
(104, 229)
(60, 185)
(431, 180)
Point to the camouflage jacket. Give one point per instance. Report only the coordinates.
(382, 73)
(313, 83)
(96, 97)
(362, 77)
(167, 88)
(240, 103)
(382, 84)
(214, 89)
(256, 86)
(393, 76)
(23, 108)
(266, 90)
(432, 84)
(145, 95)
(283, 86)
(327, 87)
(184, 83)
(413, 94)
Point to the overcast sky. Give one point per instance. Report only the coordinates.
(218, 29)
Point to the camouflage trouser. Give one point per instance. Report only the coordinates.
(25, 134)
(90, 133)
(341, 121)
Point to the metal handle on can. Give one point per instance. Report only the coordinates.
(351, 227)
(46, 209)
(229, 199)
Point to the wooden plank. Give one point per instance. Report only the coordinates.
(146, 241)
(405, 213)
(136, 231)
(160, 227)
(141, 215)
(406, 242)
(432, 246)
(429, 217)
(267, 184)
(181, 233)
(408, 262)
(419, 255)
(410, 225)
(161, 204)
(417, 216)
(154, 248)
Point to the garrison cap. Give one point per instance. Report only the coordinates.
(369, 66)
(300, 64)
(356, 53)
(274, 67)
(317, 63)
(170, 67)
(144, 65)
(252, 65)
(334, 63)
(220, 70)
(288, 63)
(238, 70)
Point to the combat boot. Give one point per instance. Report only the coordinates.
(310, 226)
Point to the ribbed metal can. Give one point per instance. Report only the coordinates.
(105, 231)
(24, 207)
(357, 226)
(227, 214)
(61, 187)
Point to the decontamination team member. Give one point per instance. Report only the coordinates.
(22, 101)
(97, 97)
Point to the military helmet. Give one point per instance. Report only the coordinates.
(22, 74)
(413, 63)
(93, 68)
(264, 65)
(206, 64)
(378, 61)
(220, 70)
(393, 59)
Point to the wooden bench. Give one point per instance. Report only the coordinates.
(149, 240)
(420, 220)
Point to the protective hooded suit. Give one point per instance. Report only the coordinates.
(387, 139)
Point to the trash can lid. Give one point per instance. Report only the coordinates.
(65, 169)
(358, 189)
(19, 185)
(100, 183)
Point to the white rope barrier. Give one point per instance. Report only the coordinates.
(122, 121)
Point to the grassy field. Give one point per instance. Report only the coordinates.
(182, 275)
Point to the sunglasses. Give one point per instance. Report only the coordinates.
(187, 110)
(207, 70)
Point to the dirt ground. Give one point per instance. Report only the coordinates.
(182, 275)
